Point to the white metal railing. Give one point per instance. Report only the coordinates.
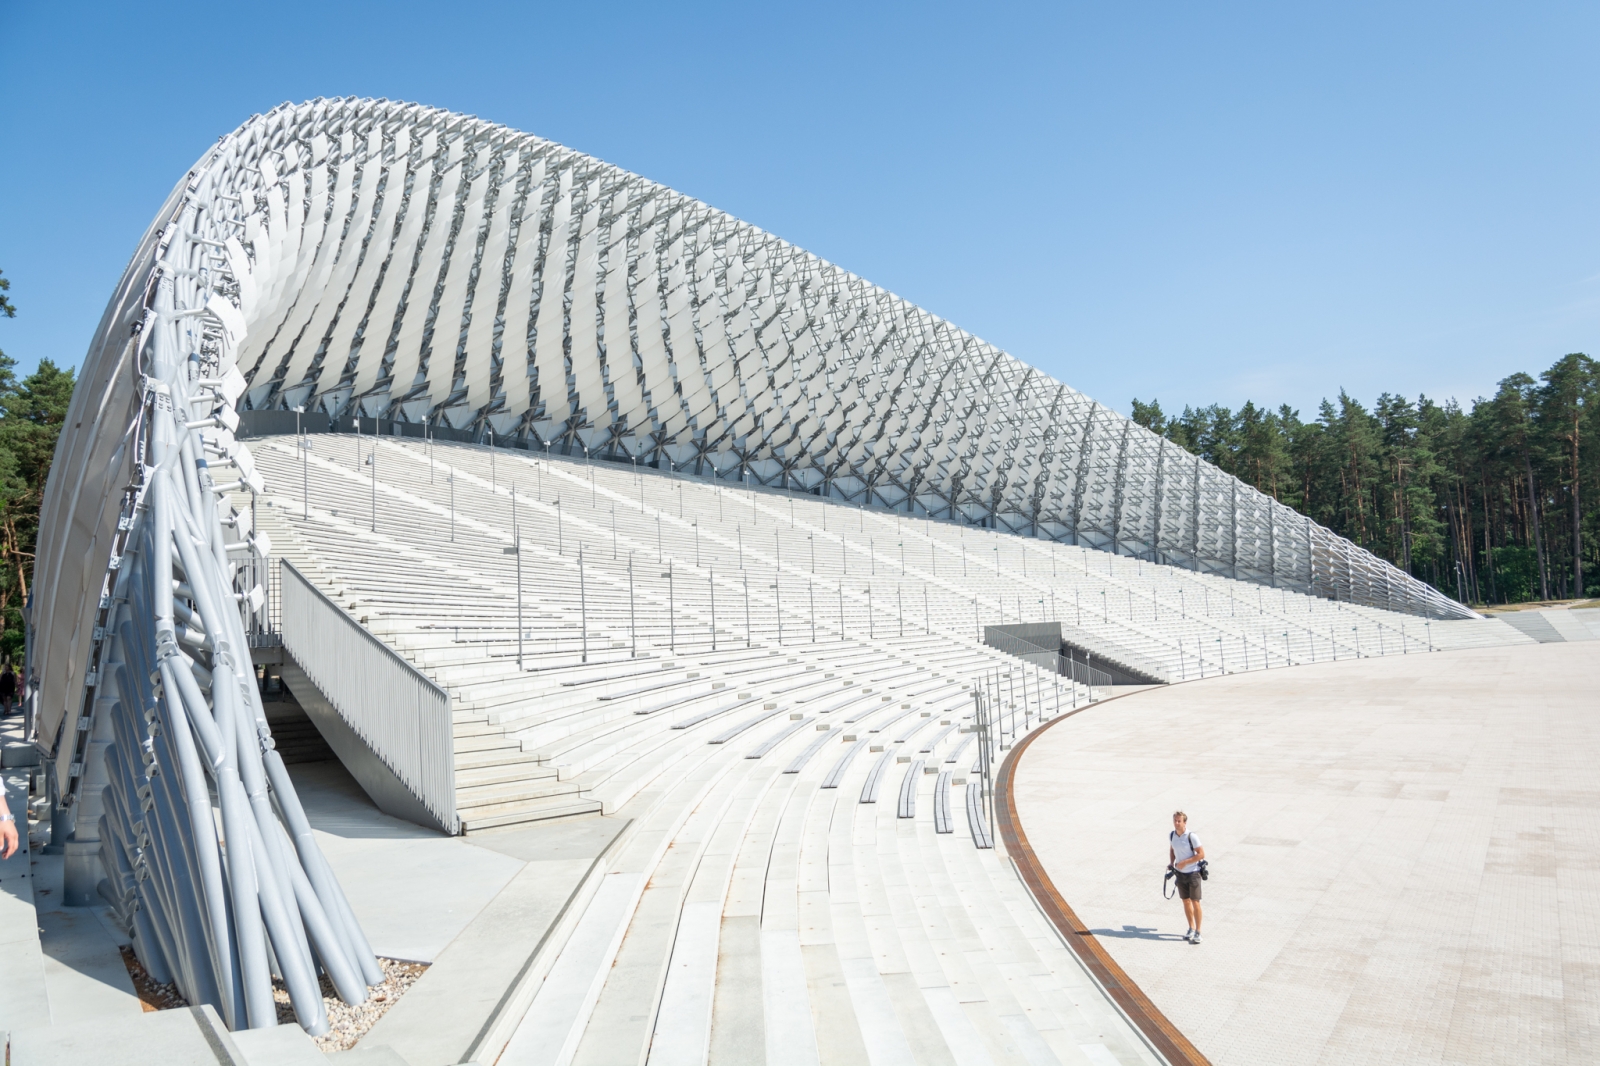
(402, 715)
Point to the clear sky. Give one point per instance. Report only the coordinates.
(1196, 202)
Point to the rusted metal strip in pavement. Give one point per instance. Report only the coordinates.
(1157, 1027)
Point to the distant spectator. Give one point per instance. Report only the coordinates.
(1185, 853)
(8, 691)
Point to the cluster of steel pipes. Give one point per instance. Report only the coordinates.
(219, 914)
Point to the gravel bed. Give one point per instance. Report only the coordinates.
(152, 996)
(346, 1024)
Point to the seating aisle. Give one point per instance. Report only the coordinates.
(779, 692)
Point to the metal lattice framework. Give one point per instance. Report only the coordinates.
(412, 264)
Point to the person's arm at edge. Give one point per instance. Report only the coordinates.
(8, 829)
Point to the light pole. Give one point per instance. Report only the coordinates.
(305, 476)
(711, 585)
(777, 605)
(305, 465)
(451, 478)
(583, 605)
(672, 614)
(516, 550)
(747, 635)
(633, 623)
(516, 542)
(560, 536)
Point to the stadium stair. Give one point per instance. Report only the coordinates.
(777, 693)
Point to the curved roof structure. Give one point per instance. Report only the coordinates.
(408, 263)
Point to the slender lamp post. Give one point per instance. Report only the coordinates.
(672, 613)
(583, 606)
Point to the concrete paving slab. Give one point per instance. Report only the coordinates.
(83, 968)
(368, 1056)
(412, 889)
(191, 1037)
(1570, 624)
(1398, 846)
(444, 1014)
(282, 1045)
(23, 999)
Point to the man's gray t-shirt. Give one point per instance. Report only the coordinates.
(1184, 847)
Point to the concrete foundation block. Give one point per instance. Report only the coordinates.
(81, 874)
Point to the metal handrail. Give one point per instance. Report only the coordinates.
(391, 705)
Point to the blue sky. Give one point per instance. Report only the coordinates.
(1194, 202)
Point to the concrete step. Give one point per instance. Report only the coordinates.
(482, 797)
(503, 773)
(494, 742)
(474, 760)
(533, 811)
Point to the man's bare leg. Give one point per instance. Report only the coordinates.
(1189, 915)
(1194, 917)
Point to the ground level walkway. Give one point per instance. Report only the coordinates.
(1403, 849)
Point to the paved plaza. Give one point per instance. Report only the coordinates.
(1403, 854)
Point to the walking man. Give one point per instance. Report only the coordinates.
(1185, 853)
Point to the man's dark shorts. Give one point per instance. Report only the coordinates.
(1189, 886)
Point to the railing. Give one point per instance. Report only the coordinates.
(1091, 677)
(261, 620)
(400, 714)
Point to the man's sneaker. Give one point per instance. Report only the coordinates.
(1188, 935)
(1195, 939)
